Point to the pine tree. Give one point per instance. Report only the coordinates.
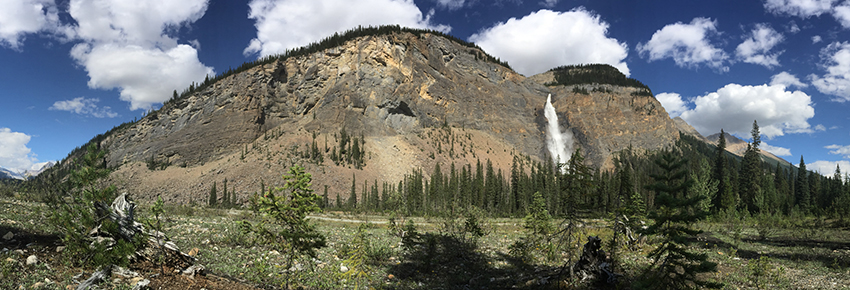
(725, 197)
(285, 224)
(325, 199)
(213, 199)
(751, 175)
(352, 197)
(673, 266)
(801, 187)
(84, 207)
(225, 200)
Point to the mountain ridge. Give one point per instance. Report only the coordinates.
(413, 99)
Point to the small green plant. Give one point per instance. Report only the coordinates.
(762, 273)
(158, 211)
(355, 266)
(284, 225)
(538, 227)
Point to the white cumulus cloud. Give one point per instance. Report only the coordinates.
(546, 39)
(127, 45)
(776, 150)
(836, 81)
(827, 168)
(144, 76)
(687, 44)
(672, 103)
(84, 106)
(21, 17)
(787, 79)
(840, 150)
(816, 39)
(287, 24)
(734, 107)
(14, 153)
(799, 8)
(842, 14)
(756, 49)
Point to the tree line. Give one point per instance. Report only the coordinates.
(728, 183)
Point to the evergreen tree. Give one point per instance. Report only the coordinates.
(478, 185)
(352, 197)
(213, 199)
(751, 175)
(515, 196)
(285, 224)
(801, 187)
(673, 266)
(338, 201)
(85, 209)
(325, 199)
(225, 199)
(725, 197)
(703, 186)
(436, 188)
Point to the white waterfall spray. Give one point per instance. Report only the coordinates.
(560, 144)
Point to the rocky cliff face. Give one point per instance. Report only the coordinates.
(395, 90)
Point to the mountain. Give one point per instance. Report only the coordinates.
(9, 174)
(408, 98)
(34, 171)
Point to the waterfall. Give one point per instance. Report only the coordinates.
(560, 144)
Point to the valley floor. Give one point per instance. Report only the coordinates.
(808, 254)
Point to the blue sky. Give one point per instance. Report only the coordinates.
(72, 69)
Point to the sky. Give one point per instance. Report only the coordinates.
(72, 69)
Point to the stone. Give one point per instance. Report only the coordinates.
(343, 268)
(10, 260)
(59, 249)
(37, 285)
(32, 260)
(8, 236)
(142, 284)
(274, 253)
(194, 252)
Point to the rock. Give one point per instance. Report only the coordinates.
(19, 252)
(194, 269)
(390, 276)
(343, 268)
(8, 236)
(32, 260)
(194, 252)
(142, 284)
(37, 285)
(10, 260)
(274, 253)
(59, 249)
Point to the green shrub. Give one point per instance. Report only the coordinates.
(284, 218)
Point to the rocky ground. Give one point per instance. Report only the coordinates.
(791, 257)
